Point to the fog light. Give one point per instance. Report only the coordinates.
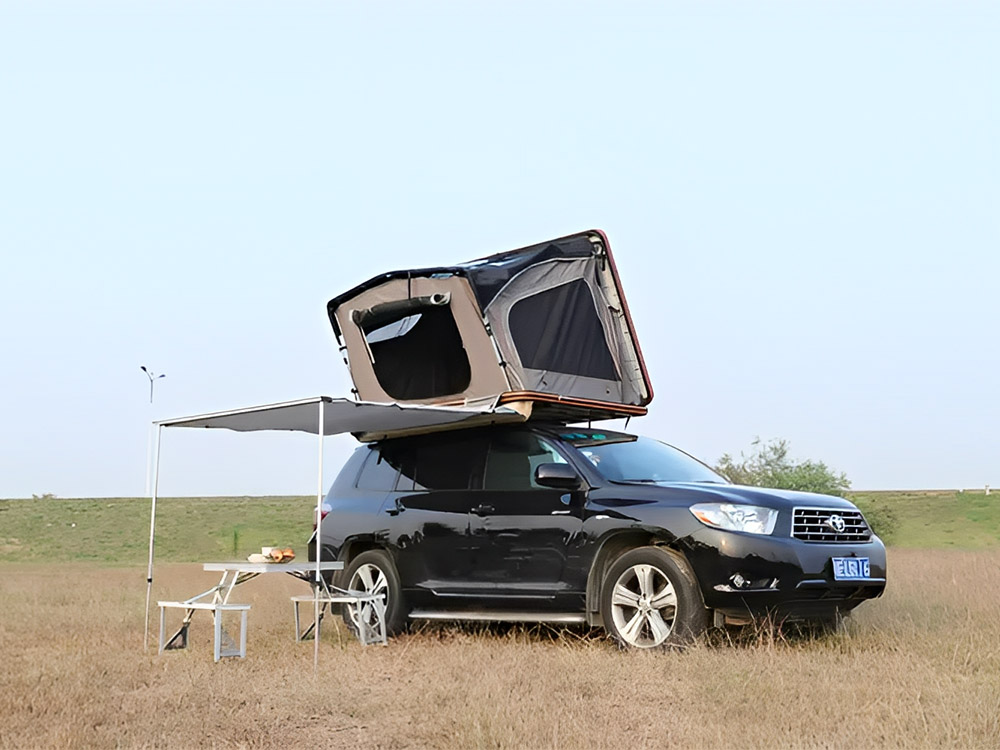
(739, 582)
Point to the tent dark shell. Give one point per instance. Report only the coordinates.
(545, 326)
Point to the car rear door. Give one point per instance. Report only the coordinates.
(428, 512)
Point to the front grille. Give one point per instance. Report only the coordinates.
(815, 525)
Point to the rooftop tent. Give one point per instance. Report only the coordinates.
(546, 326)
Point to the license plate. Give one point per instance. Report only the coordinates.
(850, 568)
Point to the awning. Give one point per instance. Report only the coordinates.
(322, 416)
(364, 419)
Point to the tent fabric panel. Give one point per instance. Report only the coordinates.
(628, 385)
(342, 415)
(491, 274)
(558, 329)
(550, 275)
(486, 378)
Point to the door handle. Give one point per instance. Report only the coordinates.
(483, 510)
(396, 509)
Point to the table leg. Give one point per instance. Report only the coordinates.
(217, 617)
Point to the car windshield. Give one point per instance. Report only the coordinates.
(627, 458)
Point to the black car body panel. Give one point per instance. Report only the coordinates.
(459, 540)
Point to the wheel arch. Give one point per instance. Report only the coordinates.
(351, 549)
(610, 550)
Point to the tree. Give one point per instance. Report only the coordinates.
(769, 465)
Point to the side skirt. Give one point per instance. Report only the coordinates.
(498, 616)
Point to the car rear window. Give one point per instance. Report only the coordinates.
(451, 463)
(377, 473)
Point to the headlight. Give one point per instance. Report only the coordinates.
(751, 519)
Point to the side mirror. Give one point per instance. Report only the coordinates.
(558, 477)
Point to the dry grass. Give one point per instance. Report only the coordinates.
(918, 668)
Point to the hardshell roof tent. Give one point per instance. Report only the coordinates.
(545, 327)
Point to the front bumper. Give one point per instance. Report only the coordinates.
(780, 575)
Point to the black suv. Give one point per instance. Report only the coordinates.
(563, 524)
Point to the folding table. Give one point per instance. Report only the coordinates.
(217, 601)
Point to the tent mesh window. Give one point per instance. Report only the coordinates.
(558, 330)
(418, 354)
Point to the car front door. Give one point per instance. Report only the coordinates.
(523, 534)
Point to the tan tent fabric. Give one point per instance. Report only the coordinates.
(487, 378)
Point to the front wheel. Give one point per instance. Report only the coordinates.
(373, 572)
(650, 599)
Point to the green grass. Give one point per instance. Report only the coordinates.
(933, 519)
(116, 530)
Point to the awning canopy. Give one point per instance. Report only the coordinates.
(322, 415)
(365, 420)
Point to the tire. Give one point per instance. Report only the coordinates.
(650, 599)
(374, 571)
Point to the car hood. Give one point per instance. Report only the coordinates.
(700, 492)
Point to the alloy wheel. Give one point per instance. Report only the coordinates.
(369, 579)
(643, 606)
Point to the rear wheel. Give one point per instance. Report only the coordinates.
(650, 599)
(373, 572)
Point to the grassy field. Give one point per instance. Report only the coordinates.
(116, 530)
(937, 519)
(919, 668)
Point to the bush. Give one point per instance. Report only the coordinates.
(768, 465)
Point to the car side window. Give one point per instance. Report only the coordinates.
(513, 458)
(452, 462)
(377, 473)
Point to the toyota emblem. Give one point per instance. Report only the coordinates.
(837, 523)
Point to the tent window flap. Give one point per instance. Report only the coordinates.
(558, 330)
(418, 355)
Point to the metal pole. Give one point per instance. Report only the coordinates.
(149, 455)
(149, 439)
(319, 539)
(152, 528)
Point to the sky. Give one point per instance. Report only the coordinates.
(802, 199)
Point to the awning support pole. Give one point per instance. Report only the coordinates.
(152, 530)
(319, 539)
